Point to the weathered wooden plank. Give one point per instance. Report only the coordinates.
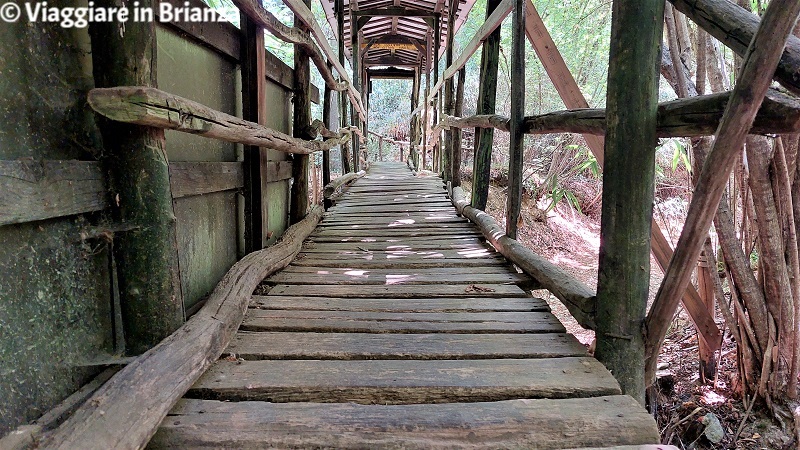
(401, 246)
(399, 226)
(392, 232)
(431, 305)
(358, 277)
(444, 290)
(278, 170)
(197, 178)
(155, 108)
(377, 262)
(252, 346)
(391, 322)
(389, 220)
(542, 424)
(405, 382)
(113, 418)
(438, 271)
(31, 190)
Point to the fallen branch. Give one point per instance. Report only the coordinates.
(126, 411)
(152, 107)
(576, 296)
(330, 189)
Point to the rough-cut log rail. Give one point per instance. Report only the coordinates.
(689, 117)
(577, 297)
(127, 410)
(336, 184)
(266, 19)
(155, 108)
(735, 27)
(359, 347)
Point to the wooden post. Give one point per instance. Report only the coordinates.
(255, 158)
(326, 155)
(624, 273)
(380, 148)
(436, 161)
(487, 99)
(449, 94)
(516, 135)
(455, 178)
(355, 119)
(302, 119)
(425, 120)
(413, 132)
(706, 268)
(343, 99)
(147, 256)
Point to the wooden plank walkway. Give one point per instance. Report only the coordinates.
(398, 326)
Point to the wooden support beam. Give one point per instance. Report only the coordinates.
(571, 94)
(302, 119)
(577, 297)
(517, 137)
(343, 115)
(762, 55)
(413, 134)
(296, 36)
(493, 22)
(253, 67)
(304, 14)
(487, 99)
(449, 95)
(327, 104)
(455, 177)
(113, 418)
(735, 27)
(356, 120)
(136, 160)
(155, 108)
(624, 268)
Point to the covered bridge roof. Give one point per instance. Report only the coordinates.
(397, 32)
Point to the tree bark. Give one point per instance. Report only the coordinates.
(136, 160)
(764, 52)
(302, 119)
(487, 98)
(625, 227)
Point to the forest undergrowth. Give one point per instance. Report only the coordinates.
(691, 414)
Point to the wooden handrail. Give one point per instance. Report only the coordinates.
(152, 107)
(330, 189)
(686, 117)
(156, 380)
(576, 296)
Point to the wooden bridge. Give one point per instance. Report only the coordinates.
(197, 261)
(398, 326)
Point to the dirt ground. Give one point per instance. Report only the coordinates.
(683, 404)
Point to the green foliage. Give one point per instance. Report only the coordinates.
(679, 153)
